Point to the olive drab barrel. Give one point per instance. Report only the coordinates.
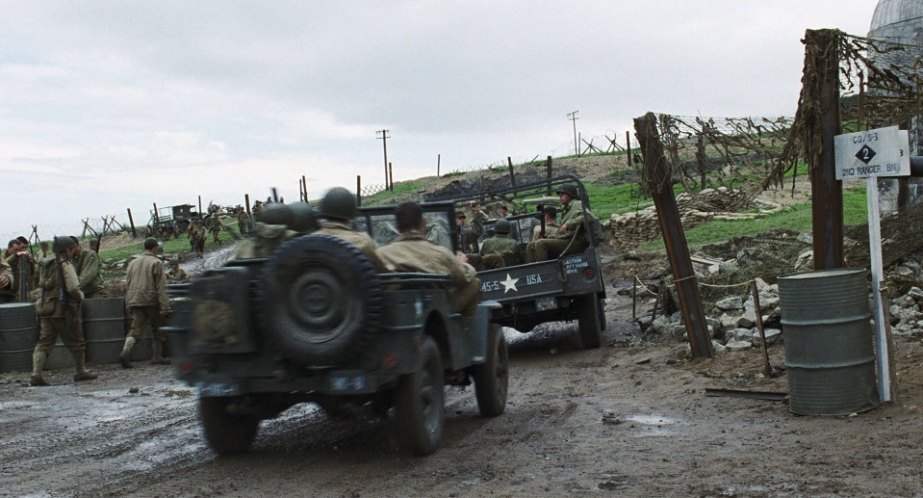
(829, 358)
(103, 329)
(18, 334)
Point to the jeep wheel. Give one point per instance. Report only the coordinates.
(588, 321)
(227, 433)
(491, 378)
(419, 402)
(321, 300)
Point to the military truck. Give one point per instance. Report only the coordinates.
(171, 221)
(315, 323)
(566, 288)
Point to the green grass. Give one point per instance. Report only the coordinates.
(797, 217)
(385, 196)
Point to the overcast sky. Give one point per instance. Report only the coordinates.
(112, 105)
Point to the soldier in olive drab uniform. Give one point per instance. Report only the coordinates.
(197, 236)
(338, 208)
(269, 232)
(257, 207)
(176, 274)
(146, 298)
(87, 265)
(23, 265)
(243, 221)
(213, 223)
(58, 301)
(551, 224)
(474, 227)
(412, 252)
(500, 250)
(6, 280)
(571, 237)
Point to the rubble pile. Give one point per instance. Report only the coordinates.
(906, 309)
(631, 229)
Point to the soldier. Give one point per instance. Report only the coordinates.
(550, 214)
(338, 208)
(43, 245)
(243, 221)
(304, 219)
(146, 298)
(571, 237)
(6, 281)
(257, 206)
(176, 274)
(23, 265)
(475, 226)
(500, 250)
(461, 229)
(412, 252)
(213, 223)
(269, 232)
(87, 266)
(57, 303)
(197, 236)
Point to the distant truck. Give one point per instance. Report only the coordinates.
(171, 221)
(566, 288)
(315, 323)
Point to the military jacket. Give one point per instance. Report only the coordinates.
(361, 240)
(54, 293)
(7, 272)
(413, 253)
(551, 231)
(147, 283)
(572, 219)
(88, 271)
(498, 245)
(265, 240)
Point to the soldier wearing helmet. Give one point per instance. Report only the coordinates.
(57, 302)
(272, 228)
(146, 298)
(337, 209)
(571, 237)
(500, 249)
(304, 219)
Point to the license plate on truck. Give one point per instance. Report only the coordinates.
(348, 381)
(546, 303)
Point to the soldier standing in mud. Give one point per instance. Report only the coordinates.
(57, 303)
(197, 236)
(87, 266)
(214, 226)
(146, 298)
(243, 221)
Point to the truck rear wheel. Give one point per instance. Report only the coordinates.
(491, 378)
(227, 433)
(419, 403)
(588, 321)
(321, 300)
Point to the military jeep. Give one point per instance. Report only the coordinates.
(566, 288)
(315, 323)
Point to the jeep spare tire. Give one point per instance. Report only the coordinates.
(321, 300)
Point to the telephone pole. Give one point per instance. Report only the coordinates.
(573, 117)
(384, 140)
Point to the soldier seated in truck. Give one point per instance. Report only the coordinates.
(571, 237)
(500, 249)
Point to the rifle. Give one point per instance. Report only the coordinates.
(63, 296)
(23, 280)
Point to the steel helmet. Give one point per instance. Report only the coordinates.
(304, 218)
(339, 204)
(502, 226)
(63, 243)
(276, 213)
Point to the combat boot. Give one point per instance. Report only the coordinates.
(125, 356)
(157, 357)
(80, 368)
(38, 363)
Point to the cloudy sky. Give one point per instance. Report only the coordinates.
(108, 105)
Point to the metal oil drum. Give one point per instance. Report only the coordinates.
(829, 356)
(103, 329)
(181, 303)
(18, 333)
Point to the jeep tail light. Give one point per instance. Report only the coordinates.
(389, 360)
(589, 273)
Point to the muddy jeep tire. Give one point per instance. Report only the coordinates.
(321, 300)
(419, 404)
(227, 433)
(588, 321)
(491, 378)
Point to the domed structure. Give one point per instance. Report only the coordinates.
(898, 21)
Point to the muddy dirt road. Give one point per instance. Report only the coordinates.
(624, 420)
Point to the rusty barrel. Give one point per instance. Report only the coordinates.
(18, 334)
(103, 329)
(829, 358)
